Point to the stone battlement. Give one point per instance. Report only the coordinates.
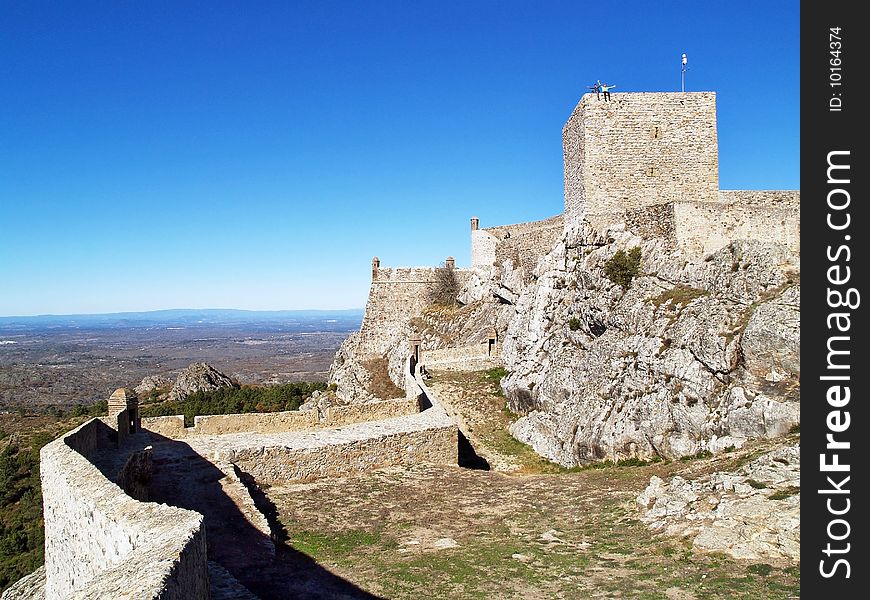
(97, 537)
(396, 295)
(103, 541)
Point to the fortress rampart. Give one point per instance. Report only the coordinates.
(280, 422)
(97, 538)
(104, 541)
(523, 243)
(395, 296)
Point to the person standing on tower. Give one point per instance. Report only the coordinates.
(596, 88)
(606, 90)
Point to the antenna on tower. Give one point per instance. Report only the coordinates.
(684, 62)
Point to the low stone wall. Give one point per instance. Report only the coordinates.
(171, 427)
(430, 436)
(279, 422)
(261, 422)
(464, 358)
(355, 449)
(337, 416)
(97, 538)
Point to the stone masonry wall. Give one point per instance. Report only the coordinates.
(279, 422)
(704, 227)
(471, 353)
(483, 248)
(262, 422)
(639, 149)
(337, 416)
(652, 222)
(395, 296)
(525, 243)
(426, 437)
(280, 463)
(97, 538)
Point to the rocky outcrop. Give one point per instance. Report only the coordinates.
(751, 514)
(695, 354)
(152, 382)
(198, 377)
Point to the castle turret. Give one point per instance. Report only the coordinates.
(124, 410)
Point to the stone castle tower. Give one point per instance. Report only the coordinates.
(639, 150)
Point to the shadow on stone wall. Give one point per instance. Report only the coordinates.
(266, 564)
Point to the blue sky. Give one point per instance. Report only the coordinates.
(257, 154)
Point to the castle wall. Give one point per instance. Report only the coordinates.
(98, 539)
(703, 227)
(427, 437)
(526, 243)
(395, 296)
(638, 150)
(483, 246)
(280, 422)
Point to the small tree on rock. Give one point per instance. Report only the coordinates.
(446, 286)
(622, 267)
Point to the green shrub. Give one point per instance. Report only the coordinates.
(494, 376)
(621, 268)
(232, 400)
(574, 324)
(679, 295)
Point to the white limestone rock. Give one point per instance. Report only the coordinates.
(751, 514)
(660, 368)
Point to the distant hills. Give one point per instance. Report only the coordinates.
(190, 318)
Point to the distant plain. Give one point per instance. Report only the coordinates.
(61, 361)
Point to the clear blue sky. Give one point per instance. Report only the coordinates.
(258, 154)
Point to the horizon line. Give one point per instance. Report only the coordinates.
(164, 310)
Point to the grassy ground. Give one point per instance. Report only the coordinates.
(538, 531)
(431, 532)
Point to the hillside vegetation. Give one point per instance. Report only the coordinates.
(232, 400)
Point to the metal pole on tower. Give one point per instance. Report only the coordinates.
(683, 73)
